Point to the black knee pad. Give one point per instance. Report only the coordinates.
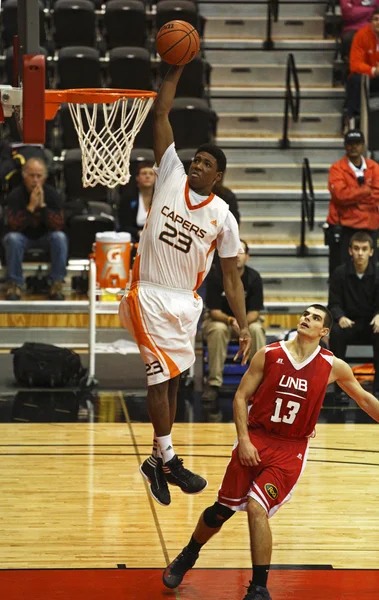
(216, 515)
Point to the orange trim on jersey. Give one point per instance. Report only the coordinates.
(195, 206)
(142, 335)
(200, 276)
(135, 270)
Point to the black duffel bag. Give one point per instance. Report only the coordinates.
(45, 365)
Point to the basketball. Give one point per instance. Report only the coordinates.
(177, 42)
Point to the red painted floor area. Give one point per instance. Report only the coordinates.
(200, 584)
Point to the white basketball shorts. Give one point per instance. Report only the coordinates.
(163, 323)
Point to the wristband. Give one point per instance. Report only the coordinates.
(230, 321)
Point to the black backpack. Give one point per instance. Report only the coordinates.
(45, 365)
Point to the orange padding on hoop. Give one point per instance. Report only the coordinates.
(54, 98)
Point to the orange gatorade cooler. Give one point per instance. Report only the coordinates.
(113, 251)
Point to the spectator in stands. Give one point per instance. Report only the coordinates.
(135, 201)
(35, 220)
(354, 189)
(354, 301)
(220, 325)
(355, 15)
(364, 60)
(228, 196)
(7, 165)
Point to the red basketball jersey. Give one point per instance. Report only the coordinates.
(289, 399)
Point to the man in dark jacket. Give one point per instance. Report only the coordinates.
(220, 326)
(35, 220)
(354, 301)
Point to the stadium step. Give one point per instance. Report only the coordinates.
(280, 193)
(279, 229)
(259, 9)
(264, 102)
(266, 174)
(248, 28)
(293, 45)
(289, 248)
(266, 150)
(292, 276)
(248, 124)
(268, 208)
(278, 56)
(238, 74)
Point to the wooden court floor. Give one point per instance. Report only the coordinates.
(77, 520)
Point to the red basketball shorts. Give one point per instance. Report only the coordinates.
(272, 482)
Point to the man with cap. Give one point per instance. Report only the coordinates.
(354, 188)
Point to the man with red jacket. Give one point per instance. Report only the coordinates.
(364, 60)
(354, 204)
(355, 15)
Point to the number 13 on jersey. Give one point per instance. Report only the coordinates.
(290, 409)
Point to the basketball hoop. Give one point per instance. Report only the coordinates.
(105, 146)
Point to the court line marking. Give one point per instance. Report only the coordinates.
(229, 445)
(150, 499)
(315, 460)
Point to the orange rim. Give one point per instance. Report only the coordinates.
(54, 98)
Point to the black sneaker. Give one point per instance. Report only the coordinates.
(189, 482)
(257, 592)
(169, 478)
(174, 573)
(151, 469)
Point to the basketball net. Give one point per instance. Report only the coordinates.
(106, 153)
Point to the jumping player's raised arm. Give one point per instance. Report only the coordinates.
(250, 382)
(162, 130)
(343, 375)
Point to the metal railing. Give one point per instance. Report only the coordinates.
(272, 15)
(291, 100)
(364, 120)
(307, 206)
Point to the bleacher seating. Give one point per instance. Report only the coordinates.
(183, 10)
(74, 23)
(195, 78)
(72, 175)
(10, 23)
(78, 67)
(233, 371)
(130, 68)
(82, 232)
(125, 23)
(139, 155)
(193, 122)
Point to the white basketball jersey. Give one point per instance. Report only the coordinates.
(177, 244)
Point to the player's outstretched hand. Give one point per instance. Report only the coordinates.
(245, 346)
(248, 454)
